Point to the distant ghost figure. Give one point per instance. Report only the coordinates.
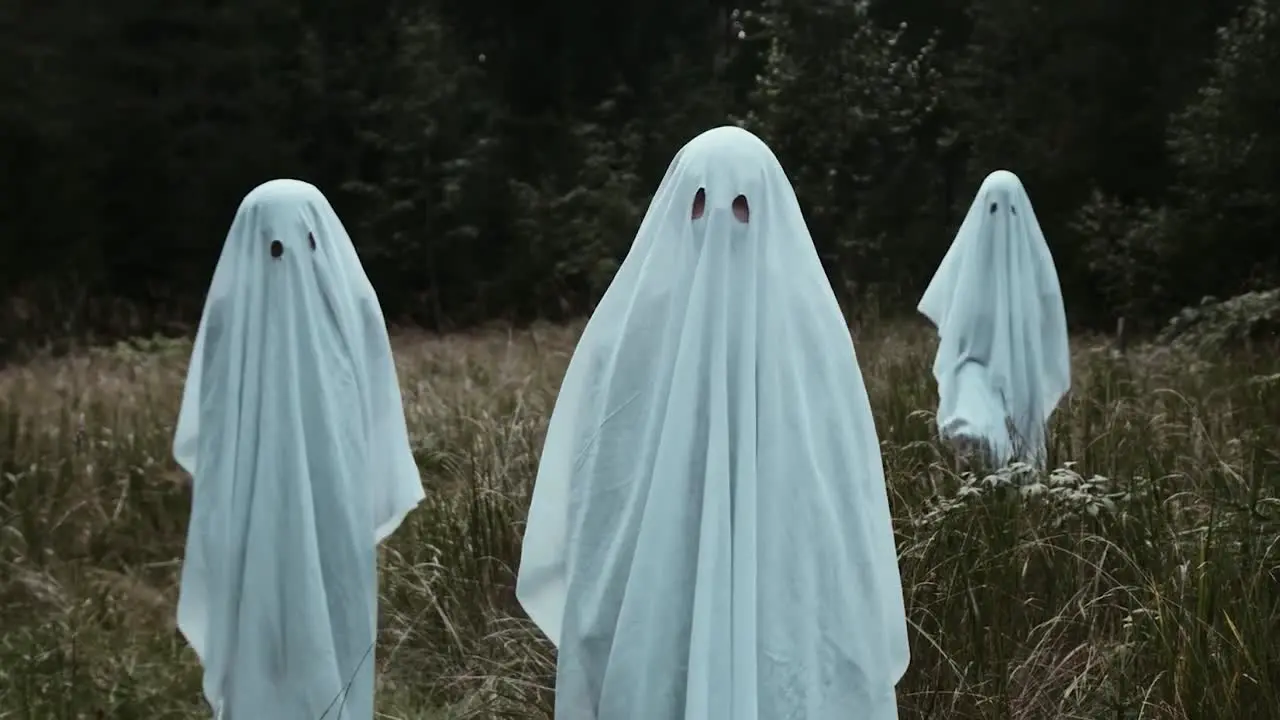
(1003, 362)
(709, 536)
(293, 431)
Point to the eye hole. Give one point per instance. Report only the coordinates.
(277, 248)
(994, 207)
(741, 209)
(312, 240)
(699, 203)
(1013, 209)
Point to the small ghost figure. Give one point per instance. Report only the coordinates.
(1003, 362)
(292, 429)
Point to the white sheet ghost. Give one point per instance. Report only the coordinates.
(709, 536)
(1003, 360)
(292, 429)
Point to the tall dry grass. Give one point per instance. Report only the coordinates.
(1139, 579)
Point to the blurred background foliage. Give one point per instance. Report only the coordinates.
(492, 159)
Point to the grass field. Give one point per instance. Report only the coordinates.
(1140, 579)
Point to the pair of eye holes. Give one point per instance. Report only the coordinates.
(277, 247)
(996, 206)
(741, 209)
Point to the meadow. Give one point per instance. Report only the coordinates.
(1138, 579)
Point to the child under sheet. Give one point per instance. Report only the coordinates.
(292, 429)
(1003, 362)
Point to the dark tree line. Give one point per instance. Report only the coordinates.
(492, 159)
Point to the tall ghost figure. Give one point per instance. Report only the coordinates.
(709, 536)
(1003, 362)
(292, 430)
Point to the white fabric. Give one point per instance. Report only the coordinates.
(709, 536)
(1003, 360)
(292, 429)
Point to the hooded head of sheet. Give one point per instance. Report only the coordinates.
(287, 267)
(996, 302)
(291, 419)
(713, 438)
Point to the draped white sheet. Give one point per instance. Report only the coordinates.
(1003, 361)
(709, 536)
(292, 429)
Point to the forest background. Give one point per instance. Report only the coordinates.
(492, 160)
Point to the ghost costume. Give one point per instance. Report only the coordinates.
(1003, 362)
(709, 536)
(293, 432)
